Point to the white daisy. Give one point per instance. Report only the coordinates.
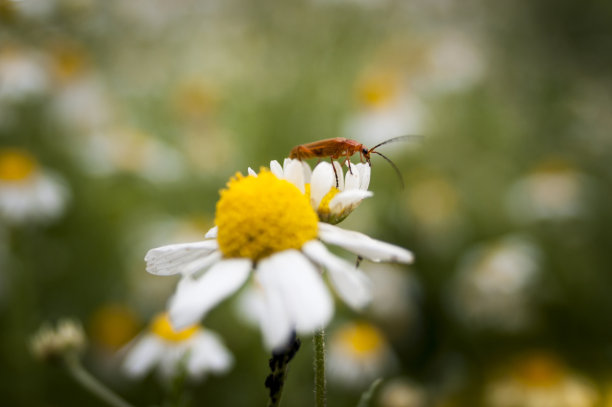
(200, 350)
(27, 192)
(553, 191)
(495, 282)
(267, 231)
(358, 354)
(332, 195)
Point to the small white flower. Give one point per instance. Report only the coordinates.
(267, 230)
(49, 343)
(28, 192)
(494, 283)
(22, 74)
(358, 354)
(332, 195)
(402, 392)
(200, 350)
(553, 191)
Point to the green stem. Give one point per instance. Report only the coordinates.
(319, 369)
(93, 385)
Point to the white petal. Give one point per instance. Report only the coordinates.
(171, 358)
(212, 233)
(351, 284)
(294, 173)
(274, 321)
(276, 169)
(194, 298)
(340, 175)
(322, 181)
(363, 245)
(307, 171)
(251, 172)
(202, 263)
(348, 198)
(142, 355)
(300, 287)
(364, 175)
(173, 259)
(352, 178)
(208, 354)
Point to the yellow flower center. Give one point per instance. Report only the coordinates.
(259, 216)
(361, 339)
(16, 165)
(162, 327)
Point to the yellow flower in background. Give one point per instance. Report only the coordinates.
(540, 380)
(358, 354)
(198, 350)
(266, 229)
(28, 193)
(113, 325)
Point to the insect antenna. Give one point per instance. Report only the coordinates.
(408, 137)
(397, 171)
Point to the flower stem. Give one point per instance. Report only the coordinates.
(319, 369)
(93, 385)
(279, 364)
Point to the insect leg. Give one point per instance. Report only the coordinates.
(359, 259)
(335, 172)
(348, 162)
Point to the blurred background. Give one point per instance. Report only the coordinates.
(121, 120)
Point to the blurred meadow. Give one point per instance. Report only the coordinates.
(134, 114)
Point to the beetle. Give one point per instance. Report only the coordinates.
(337, 147)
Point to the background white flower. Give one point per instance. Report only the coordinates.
(358, 354)
(200, 350)
(28, 192)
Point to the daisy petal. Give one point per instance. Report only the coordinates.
(352, 178)
(174, 258)
(273, 320)
(209, 354)
(201, 263)
(307, 171)
(301, 288)
(351, 284)
(364, 175)
(212, 233)
(251, 172)
(276, 169)
(321, 182)
(142, 355)
(363, 245)
(294, 173)
(348, 198)
(195, 297)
